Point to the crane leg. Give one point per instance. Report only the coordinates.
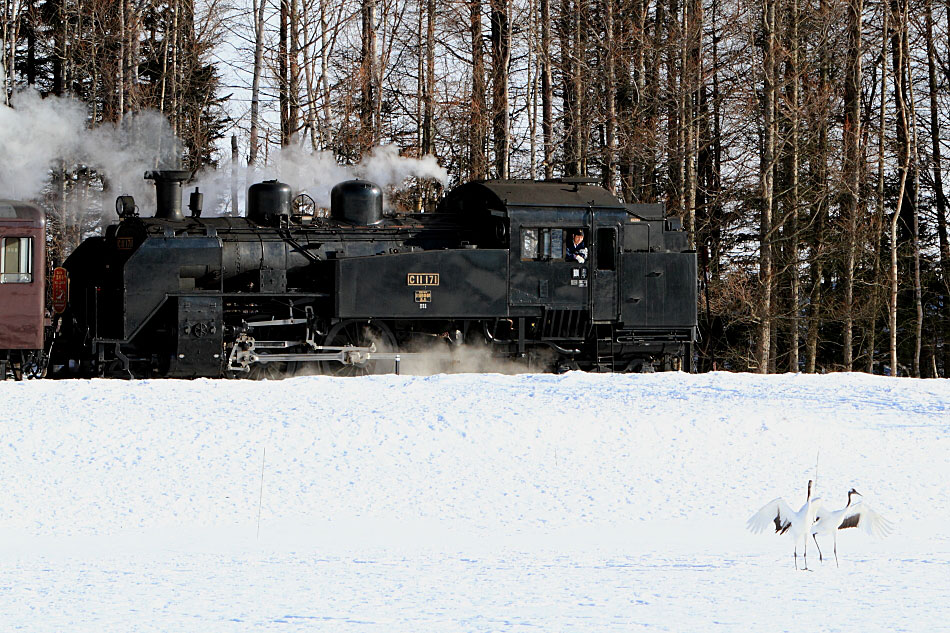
(805, 553)
(836, 551)
(820, 559)
(795, 555)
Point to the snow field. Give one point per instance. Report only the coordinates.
(466, 503)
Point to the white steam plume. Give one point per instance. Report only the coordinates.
(316, 173)
(38, 131)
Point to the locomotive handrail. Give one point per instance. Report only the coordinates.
(287, 237)
(550, 205)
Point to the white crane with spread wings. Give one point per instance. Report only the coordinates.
(853, 515)
(796, 525)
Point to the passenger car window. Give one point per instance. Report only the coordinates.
(16, 260)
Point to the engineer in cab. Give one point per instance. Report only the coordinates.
(577, 247)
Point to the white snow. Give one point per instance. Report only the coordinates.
(467, 503)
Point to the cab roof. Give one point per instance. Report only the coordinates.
(502, 194)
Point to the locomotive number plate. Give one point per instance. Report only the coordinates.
(422, 279)
(423, 296)
(124, 243)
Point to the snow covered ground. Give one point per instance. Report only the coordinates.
(467, 503)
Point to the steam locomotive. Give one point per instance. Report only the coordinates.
(357, 291)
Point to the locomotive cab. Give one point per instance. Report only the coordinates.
(631, 302)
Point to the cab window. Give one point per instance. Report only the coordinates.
(542, 244)
(16, 260)
(529, 244)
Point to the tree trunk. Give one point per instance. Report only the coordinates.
(820, 206)
(479, 112)
(368, 78)
(283, 78)
(293, 79)
(610, 123)
(174, 85)
(852, 171)
(880, 214)
(674, 51)
(234, 176)
(547, 90)
(897, 43)
(918, 294)
(569, 66)
(941, 200)
(258, 10)
(693, 72)
(531, 101)
(325, 69)
(428, 125)
(793, 192)
(900, 64)
(501, 55)
(766, 187)
(122, 61)
(306, 51)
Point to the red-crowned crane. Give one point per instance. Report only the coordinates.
(795, 524)
(852, 515)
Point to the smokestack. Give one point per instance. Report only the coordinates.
(168, 192)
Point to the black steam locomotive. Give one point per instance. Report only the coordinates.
(358, 291)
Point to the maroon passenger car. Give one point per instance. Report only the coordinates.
(22, 287)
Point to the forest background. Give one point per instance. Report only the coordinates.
(800, 141)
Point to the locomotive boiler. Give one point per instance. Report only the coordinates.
(358, 291)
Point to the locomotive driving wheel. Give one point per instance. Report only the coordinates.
(271, 371)
(354, 333)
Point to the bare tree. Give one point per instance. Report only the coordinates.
(501, 57)
(793, 190)
(937, 164)
(570, 68)
(479, 109)
(853, 154)
(900, 66)
(766, 175)
(547, 90)
(368, 78)
(258, 13)
(428, 96)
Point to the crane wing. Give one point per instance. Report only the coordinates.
(861, 516)
(821, 513)
(775, 513)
